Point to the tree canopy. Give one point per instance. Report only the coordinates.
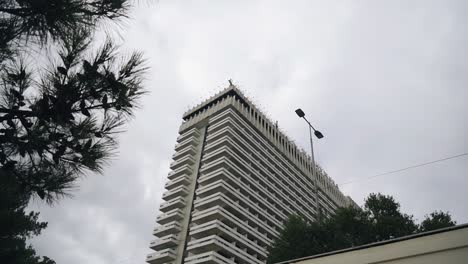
(17, 224)
(60, 113)
(436, 220)
(380, 219)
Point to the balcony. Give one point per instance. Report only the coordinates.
(198, 246)
(216, 148)
(171, 216)
(212, 188)
(218, 125)
(187, 142)
(214, 165)
(164, 242)
(183, 170)
(167, 229)
(214, 213)
(243, 240)
(208, 258)
(182, 161)
(189, 150)
(189, 133)
(208, 178)
(246, 185)
(181, 180)
(245, 201)
(172, 204)
(207, 202)
(210, 175)
(180, 191)
(221, 214)
(234, 207)
(162, 256)
(215, 243)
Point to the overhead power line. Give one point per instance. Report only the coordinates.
(407, 168)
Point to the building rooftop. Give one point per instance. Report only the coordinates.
(232, 90)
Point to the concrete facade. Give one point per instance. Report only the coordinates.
(235, 178)
(448, 245)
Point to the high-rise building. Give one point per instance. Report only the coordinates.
(234, 180)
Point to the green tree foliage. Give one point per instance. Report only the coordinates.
(57, 120)
(67, 123)
(351, 228)
(436, 220)
(23, 21)
(386, 218)
(380, 219)
(295, 239)
(19, 224)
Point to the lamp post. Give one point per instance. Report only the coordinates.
(319, 135)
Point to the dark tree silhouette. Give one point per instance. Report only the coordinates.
(380, 219)
(386, 218)
(66, 124)
(294, 240)
(17, 225)
(59, 120)
(351, 227)
(436, 220)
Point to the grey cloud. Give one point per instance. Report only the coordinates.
(384, 81)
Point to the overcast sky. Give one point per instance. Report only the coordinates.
(385, 81)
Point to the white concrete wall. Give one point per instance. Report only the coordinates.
(449, 247)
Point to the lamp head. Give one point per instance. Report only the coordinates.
(300, 113)
(318, 134)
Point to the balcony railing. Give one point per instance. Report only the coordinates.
(216, 227)
(181, 180)
(162, 256)
(174, 215)
(172, 204)
(183, 170)
(208, 257)
(236, 183)
(189, 150)
(164, 242)
(182, 161)
(220, 199)
(187, 142)
(167, 229)
(211, 169)
(189, 133)
(221, 214)
(180, 191)
(215, 243)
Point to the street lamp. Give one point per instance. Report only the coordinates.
(319, 135)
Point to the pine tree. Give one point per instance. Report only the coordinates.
(57, 120)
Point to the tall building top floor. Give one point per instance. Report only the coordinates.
(233, 97)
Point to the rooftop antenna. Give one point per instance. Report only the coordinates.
(230, 83)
